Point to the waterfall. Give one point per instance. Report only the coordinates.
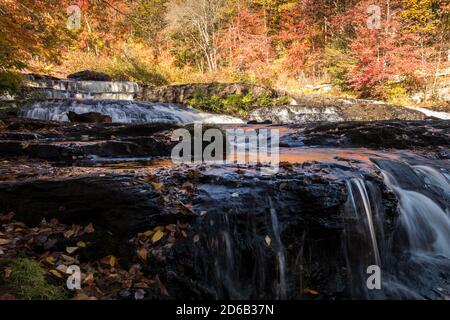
(363, 221)
(280, 254)
(296, 114)
(124, 112)
(425, 223)
(74, 89)
(420, 246)
(367, 213)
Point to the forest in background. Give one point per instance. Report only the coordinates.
(384, 49)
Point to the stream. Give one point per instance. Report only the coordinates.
(340, 202)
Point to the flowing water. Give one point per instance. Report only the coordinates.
(412, 250)
(124, 112)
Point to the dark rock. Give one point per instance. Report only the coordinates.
(308, 209)
(257, 122)
(378, 134)
(90, 117)
(116, 208)
(89, 75)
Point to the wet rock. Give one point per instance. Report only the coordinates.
(379, 134)
(229, 221)
(256, 122)
(90, 117)
(318, 108)
(89, 75)
(117, 208)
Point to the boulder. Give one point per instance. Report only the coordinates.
(90, 117)
(89, 75)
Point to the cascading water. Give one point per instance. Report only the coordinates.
(421, 241)
(72, 89)
(280, 253)
(362, 234)
(124, 112)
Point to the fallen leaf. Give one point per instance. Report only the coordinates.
(109, 260)
(148, 233)
(143, 253)
(157, 236)
(69, 233)
(310, 291)
(50, 260)
(71, 250)
(268, 240)
(89, 228)
(62, 268)
(56, 273)
(8, 272)
(68, 259)
(81, 244)
(4, 242)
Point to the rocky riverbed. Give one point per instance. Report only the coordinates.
(156, 230)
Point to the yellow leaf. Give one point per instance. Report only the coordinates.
(89, 228)
(71, 250)
(110, 260)
(56, 273)
(268, 240)
(148, 233)
(69, 233)
(310, 291)
(4, 242)
(81, 244)
(157, 236)
(50, 260)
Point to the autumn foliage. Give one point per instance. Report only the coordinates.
(256, 40)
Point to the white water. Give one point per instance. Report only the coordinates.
(85, 86)
(366, 215)
(426, 224)
(125, 112)
(431, 113)
(296, 114)
(281, 255)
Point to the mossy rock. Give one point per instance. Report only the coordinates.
(27, 281)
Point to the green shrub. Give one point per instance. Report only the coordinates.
(10, 82)
(27, 281)
(235, 104)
